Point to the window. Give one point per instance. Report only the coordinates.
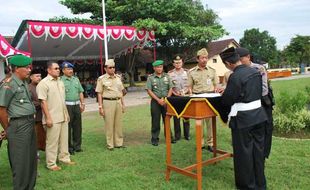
(214, 60)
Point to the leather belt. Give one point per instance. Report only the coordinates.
(23, 117)
(111, 98)
(72, 103)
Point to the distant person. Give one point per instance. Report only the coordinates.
(17, 118)
(110, 90)
(247, 121)
(158, 86)
(51, 93)
(180, 87)
(35, 78)
(75, 105)
(203, 79)
(267, 95)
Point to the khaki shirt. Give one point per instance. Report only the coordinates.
(159, 85)
(73, 88)
(110, 86)
(261, 69)
(202, 81)
(16, 98)
(53, 91)
(179, 80)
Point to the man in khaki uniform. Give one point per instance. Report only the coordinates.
(179, 78)
(203, 79)
(17, 119)
(51, 93)
(110, 91)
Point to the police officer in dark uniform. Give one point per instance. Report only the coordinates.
(267, 95)
(17, 118)
(247, 121)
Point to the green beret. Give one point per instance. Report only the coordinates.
(157, 62)
(20, 60)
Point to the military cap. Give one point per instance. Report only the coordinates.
(202, 52)
(35, 71)
(229, 55)
(242, 51)
(110, 63)
(157, 62)
(20, 60)
(177, 58)
(67, 64)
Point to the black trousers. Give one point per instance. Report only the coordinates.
(177, 128)
(74, 127)
(268, 130)
(157, 111)
(22, 150)
(248, 147)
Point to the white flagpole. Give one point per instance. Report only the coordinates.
(106, 54)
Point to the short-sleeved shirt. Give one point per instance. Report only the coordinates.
(159, 85)
(202, 80)
(73, 88)
(15, 96)
(110, 86)
(53, 92)
(261, 69)
(179, 80)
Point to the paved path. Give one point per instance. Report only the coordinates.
(131, 99)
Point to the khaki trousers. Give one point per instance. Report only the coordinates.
(207, 123)
(113, 122)
(57, 141)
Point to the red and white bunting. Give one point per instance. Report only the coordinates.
(6, 49)
(58, 30)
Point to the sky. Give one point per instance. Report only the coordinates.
(283, 19)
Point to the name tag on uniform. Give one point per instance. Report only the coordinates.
(209, 81)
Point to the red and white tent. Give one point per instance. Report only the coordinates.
(49, 40)
(6, 49)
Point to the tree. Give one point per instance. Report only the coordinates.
(298, 51)
(181, 26)
(261, 45)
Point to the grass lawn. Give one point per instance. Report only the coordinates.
(142, 166)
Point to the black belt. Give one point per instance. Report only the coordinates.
(23, 117)
(111, 98)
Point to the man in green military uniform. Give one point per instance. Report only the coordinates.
(75, 105)
(158, 86)
(111, 93)
(17, 118)
(203, 79)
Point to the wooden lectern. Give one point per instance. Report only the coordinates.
(197, 109)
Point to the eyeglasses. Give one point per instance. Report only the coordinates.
(111, 67)
(56, 68)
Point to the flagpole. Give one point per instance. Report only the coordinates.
(106, 54)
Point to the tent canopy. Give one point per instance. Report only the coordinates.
(50, 40)
(6, 49)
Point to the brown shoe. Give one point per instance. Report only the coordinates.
(54, 168)
(69, 163)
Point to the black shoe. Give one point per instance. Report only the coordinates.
(187, 138)
(78, 150)
(177, 138)
(110, 149)
(173, 141)
(210, 148)
(120, 147)
(71, 152)
(203, 148)
(155, 143)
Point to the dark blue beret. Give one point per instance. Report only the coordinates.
(67, 64)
